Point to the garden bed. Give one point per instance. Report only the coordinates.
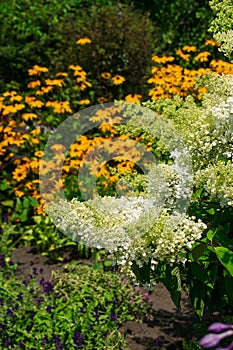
(167, 324)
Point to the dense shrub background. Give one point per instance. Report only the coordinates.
(45, 33)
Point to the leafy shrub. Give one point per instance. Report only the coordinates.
(81, 307)
(45, 33)
(178, 22)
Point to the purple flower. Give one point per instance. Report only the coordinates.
(34, 270)
(113, 316)
(21, 342)
(49, 309)
(1, 301)
(45, 340)
(48, 287)
(42, 280)
(31, 263)
(19, 297)
(211, 340)
(25, 282)
(157, 342)
(7, 342)
(31, 290)
(218, 327)
(145, 296)
(78, 339)
(58, 345)
(81, 309)
(9, 312)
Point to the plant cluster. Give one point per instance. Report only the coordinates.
(82, 307)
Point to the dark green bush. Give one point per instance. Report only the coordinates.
(178, 22)
(122, 43)
(45, 33)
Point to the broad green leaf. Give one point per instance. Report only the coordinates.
(211, 211)
(198, 251)
(201, 274)
(225, 256)
(172, 281)
(8, 203)
(142, 273)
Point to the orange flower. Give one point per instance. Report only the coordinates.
(118, 80)
(85, 102)
(44, 90)
(20, 173)
(37, 70)
(211, 42)
(180, 53)
(83, 41)
(56, 82)
(19, 193)
(163, 59)
(62, 74)
(34, 84)
(33, 103)
(106, 75)
(189, 48)
(202, 56)
(29, 116)
(133, 98)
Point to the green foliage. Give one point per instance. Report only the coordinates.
(223, 20)
(222, 25)
(45, 33)
(35, 314)
(178, 22)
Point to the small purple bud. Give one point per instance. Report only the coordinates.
(218, 327)
(211, 340)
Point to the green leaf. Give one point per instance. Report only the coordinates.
(210, 234)
(201, 274)
(170, 277)
(8, 203)
(142, 273)
(198, 193)
(4, 187)
(198, 251)
(211, 211)
(225, 256)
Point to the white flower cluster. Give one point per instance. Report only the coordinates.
(129, 228)
(100, 222)
(206, 130)
(217, 181)
(226, 41)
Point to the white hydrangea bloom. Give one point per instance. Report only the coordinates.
(130, 229)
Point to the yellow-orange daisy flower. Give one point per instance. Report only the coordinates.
(83, 41)
(29, 116)
(202, 56)
(133, 98)
(37, 70)
(85, 102)
(106, 75)
(33, 84)
(189, 48)
(56, 82)
(118, 80)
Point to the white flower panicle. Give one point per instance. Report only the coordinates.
(120, 225)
